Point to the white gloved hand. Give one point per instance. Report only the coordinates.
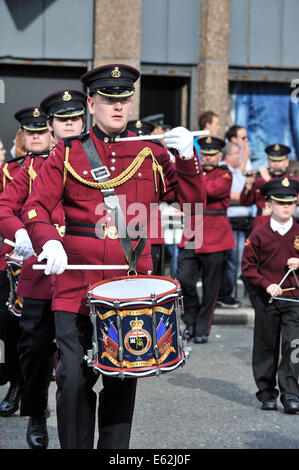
(181, 139)
(55, 255)
(23, 246)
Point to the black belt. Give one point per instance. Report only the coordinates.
(214, 211)
(100, 231)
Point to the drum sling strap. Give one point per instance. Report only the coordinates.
(100, 172)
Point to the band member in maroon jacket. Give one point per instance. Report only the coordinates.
(270, 252)
(91, 239)
(209, 257)
(36, 345)
(9, 328)
(277, 168)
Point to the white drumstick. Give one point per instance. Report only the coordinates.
(158, 136)
(9, 242)
(283, 279)
(86, 266)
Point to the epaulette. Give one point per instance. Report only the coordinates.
(157, 141)
(68, 140)
(223, 167)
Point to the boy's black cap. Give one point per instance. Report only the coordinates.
(32, 119)
(140, 127)
(210, 145)
(283, 190)
(277, 152)
(112, 80)
(64, 103)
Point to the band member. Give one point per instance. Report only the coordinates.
(142, 127)
(71, 175)
(270, 252)
(9, 328)
(36, 346)
(209, 257)
(277, 168)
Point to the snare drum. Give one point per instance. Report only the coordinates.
(14, 267)
(136, 330)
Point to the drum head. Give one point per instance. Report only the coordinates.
(133, 288)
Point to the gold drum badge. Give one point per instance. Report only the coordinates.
(66, 96)
(116, 72)
(36, 112)
(137, 340)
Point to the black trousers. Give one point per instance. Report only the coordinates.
(9, 334)
(36, 354)
(190, 266)
(276, 324)
(76, 401)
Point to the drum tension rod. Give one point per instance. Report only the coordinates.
(120, 332)
(154, 330)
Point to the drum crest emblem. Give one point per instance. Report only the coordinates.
(137, 340)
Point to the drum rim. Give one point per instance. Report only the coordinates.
(139, 276)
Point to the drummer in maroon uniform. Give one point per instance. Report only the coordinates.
(209, 257)
(36, 345)
(277, 168)
(81, 179)
(270, 252)
(9, 329)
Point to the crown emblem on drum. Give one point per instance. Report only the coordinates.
(66, 96)
(116, 72)
(36, 112)
(138, 124)
(136, 324)
(276, 147)
(208, 140)
(285, 182)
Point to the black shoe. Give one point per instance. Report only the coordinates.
(290, 403)
(37, 432)
(188, 333)
(10, 403)
(270, 404)
(228, 302)
(200, 339)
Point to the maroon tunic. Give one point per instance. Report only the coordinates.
(217, 231)
(33, 284)
(265, 255)
(184, 182)
(7, 173)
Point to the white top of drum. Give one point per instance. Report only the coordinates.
(132, 288)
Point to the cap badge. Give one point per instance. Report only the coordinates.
(36, 113)
(208, 140)
(138, 124)
(66, 96)
(116, 72)
(285, 182)
(276, 147)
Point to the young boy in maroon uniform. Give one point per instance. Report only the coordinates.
(270, 251)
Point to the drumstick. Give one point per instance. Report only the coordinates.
(288, 288)
(273, 295)
(85, 266)
(157, 136)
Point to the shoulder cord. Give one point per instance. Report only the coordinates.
(6, 174)
(123, 177)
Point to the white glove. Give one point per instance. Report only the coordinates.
(23, 246)
(181, 139)
(55, 255)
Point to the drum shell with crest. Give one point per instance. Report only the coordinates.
(136, 326)
(13, 270)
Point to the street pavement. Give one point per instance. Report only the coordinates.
(209, 403)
